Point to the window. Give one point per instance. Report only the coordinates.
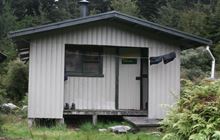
(83, 61)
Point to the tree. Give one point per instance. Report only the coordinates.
(16, 81)
(195, 64)
(24, 8)
(192, 17)
(149, 8)
(7, 20)
(214, 29)
(7, 23)
(73, 8)
(55, 10)
(186, 15)
(214, 32)
(99, 6)
(168, 16)
(129, 7)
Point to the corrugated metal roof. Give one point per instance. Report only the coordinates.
(116, 16)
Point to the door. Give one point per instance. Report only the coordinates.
(129, 78)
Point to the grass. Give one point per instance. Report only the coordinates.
(16, 128)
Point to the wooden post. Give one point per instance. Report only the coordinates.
(94, 119)
(30, 122)
(60, 121)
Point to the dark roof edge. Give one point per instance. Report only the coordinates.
(169, 30)
(107, 15)
(61, 24)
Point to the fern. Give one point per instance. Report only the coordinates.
(216, 135)
(198, 136)
(196, 115)
(170, 136)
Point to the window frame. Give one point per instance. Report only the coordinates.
(85, 49)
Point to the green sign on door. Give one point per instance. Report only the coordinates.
(129, 61)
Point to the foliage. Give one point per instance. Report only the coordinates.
(198, 17)
(1, 124)
(188, 16)
(1, 121)
(149, 8)
(214, 32)
(2, 92)
(197, 114)
(126, 6)
(7, 20)
(195, 64)
(16, 81)
(99, 6)
(214, 22)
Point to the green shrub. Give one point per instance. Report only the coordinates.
(195, 64)
(1, 101)
(1, 124)
(16, 81)
(197, 114)
(129, 7)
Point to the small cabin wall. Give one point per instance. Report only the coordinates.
(99, 93)
(164, 81)
(47, 93)
(94, 92)
(46, 78)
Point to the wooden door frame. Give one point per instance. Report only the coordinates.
(117, 77)
(142, 76)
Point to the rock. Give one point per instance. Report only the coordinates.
(9, 106)
(102, 130)
(120, 129)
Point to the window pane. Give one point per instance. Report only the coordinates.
(73, 61)
(83, 61)
(91, 68)
(91, 63)
(91, 57)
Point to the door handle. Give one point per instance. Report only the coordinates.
(143, 76)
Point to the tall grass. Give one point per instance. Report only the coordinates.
(15, 128)
(88, 126)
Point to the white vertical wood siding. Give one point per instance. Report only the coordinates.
(164, 81)
(46, 82)
(104, 34)
(93, 92)
(98, 93)
(46, 78)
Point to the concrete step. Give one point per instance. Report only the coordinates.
(142, 121)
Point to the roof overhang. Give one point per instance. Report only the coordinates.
(183, 39)
(192, 40)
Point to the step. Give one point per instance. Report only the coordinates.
(142, 121)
